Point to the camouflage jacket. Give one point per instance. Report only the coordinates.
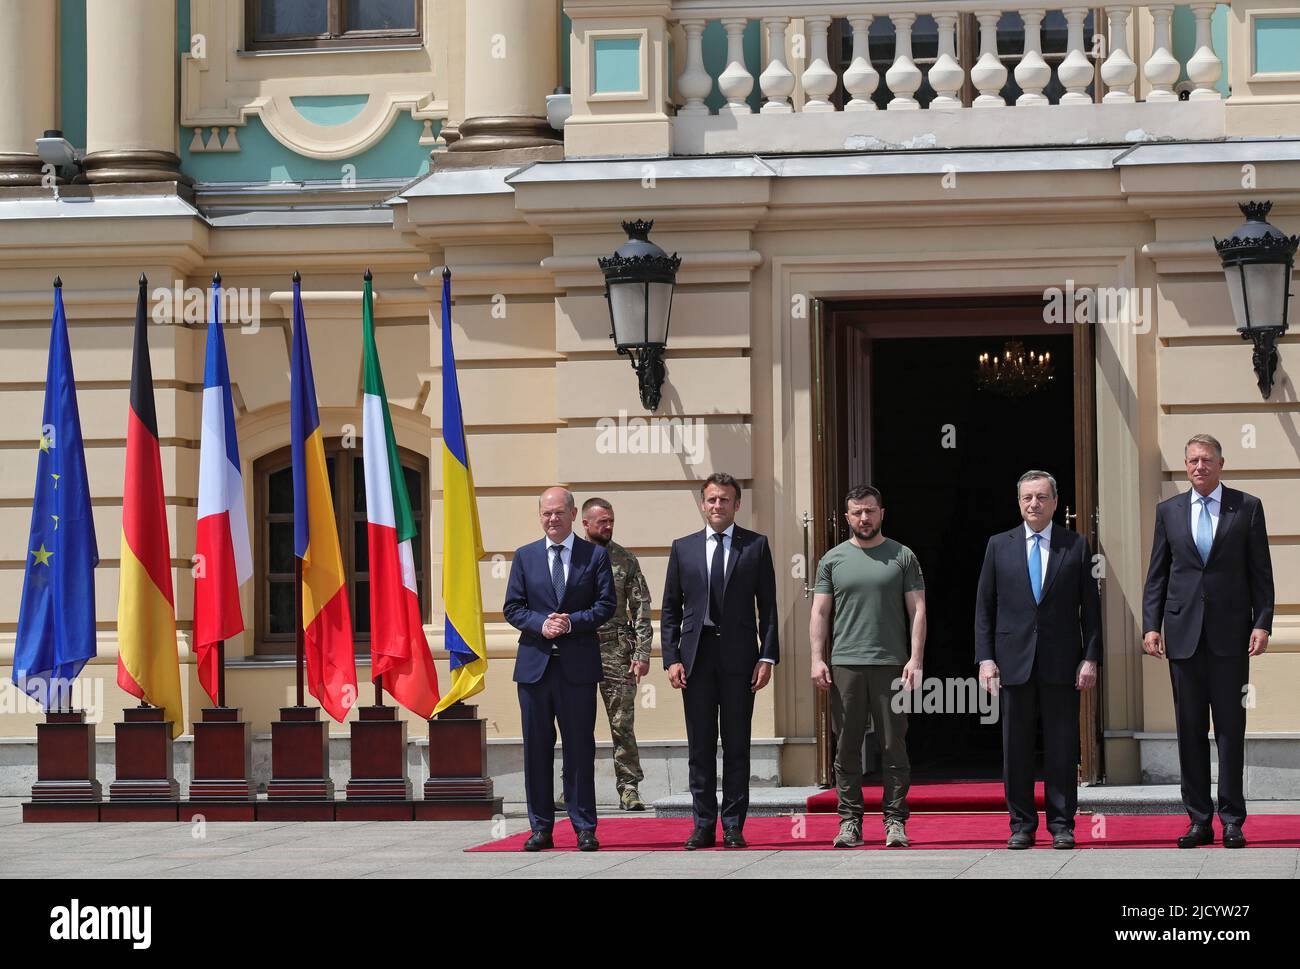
(631, 621)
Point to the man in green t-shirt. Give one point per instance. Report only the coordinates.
(869, 605)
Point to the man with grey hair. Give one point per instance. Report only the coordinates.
(560, 592)
(1210, 586)
(1038, 643)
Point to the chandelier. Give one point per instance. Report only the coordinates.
(1016, 372)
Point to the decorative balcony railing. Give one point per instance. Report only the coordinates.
(946, 59)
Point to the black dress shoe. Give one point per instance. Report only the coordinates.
(701, 838)
(1197, 835)
(538, 841)
(732, 838)
(1063, 840)
(587, 841)
(1020, 840)
(1232, 836)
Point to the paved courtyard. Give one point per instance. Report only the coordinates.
(436, 849)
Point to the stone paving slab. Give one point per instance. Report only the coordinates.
(346, 850)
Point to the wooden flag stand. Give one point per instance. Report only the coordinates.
(300, 787)
(379, 789)
(458, 788)
(65, 788)
(221, 789)
(145, 788)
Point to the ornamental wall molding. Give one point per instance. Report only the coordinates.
(222, 86)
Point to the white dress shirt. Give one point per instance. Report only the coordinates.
(1044, 550)
(1215, 507)
(566, 556)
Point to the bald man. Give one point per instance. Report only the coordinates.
(561, 591)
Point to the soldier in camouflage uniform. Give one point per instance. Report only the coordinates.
(624, 650)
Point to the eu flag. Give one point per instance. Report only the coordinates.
(56, 619)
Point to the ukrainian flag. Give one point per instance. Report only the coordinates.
(326, 619)
(462, 542)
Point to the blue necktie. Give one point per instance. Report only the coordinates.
(1204, 531)
(1036, 569)
(557, 573)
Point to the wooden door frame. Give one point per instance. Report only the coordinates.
(982, 315)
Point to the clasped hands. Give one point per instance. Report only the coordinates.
(556, 624)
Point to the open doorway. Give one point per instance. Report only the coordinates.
(902, 407)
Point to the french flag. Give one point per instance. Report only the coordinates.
(224, 558)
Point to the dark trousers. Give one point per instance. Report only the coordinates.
(713, 697)
(1206, 684)
(860, 694)
(541, 704)
(1020, 709)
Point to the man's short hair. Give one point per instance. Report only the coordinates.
(722, 480)
(569, 503)
(591, 503)
(1209, 440)
(862, 493)
(1034, 476)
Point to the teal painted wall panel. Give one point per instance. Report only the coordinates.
(1277, 45)
(714, 44)
(617, 65)
(72, 71)
(330, 109)
(1219, 35)
(263, 159)
(566, 35)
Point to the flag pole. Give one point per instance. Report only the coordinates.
(298, 634)
(221, 672)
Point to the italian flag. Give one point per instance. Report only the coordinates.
(398, 650)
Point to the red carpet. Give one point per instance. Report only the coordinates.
(954, 796)
(814, 832)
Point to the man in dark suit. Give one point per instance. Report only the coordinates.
(1038, 644)
(561, 591)
(1210, 585)
(719, 638)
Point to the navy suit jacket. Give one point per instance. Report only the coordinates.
(1060, 631)
(589, 599)
(1227, 596)
(748, 602)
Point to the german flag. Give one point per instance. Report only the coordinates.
(148, 664)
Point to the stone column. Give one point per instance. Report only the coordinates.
(27, 42)
(511, 65)
(131, 92)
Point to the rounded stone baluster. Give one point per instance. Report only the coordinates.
(989, 73)
(1161, 69)
(694, 83)
(1204, 67)
(946, 76)
(818, 78)
(903, 77)
(1075, 72)
(861, 79)
(1119, 72)
(735, 82)
(1032, 73)
(777, 80)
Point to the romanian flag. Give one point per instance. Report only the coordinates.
(148, 664)
(222, 547)
(462, 542)
(326, 618)
(398, 650)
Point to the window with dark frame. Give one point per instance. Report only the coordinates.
(273, 543)
(329, 24)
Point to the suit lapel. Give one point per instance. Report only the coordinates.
(737, 543)
(578, 561)
(1184, 525)
(1227, 513)
(1060, 544)
(1018, 545)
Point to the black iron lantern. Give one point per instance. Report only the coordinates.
(639, 280)
(1258, 260)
